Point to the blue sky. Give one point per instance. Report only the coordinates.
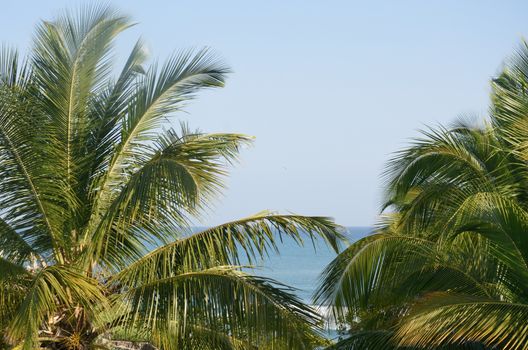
(329, 88)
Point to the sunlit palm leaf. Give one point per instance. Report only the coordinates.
(253, 237)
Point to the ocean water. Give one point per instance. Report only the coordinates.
(301, 266)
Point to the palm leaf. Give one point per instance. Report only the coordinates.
(453, 319)
(52, 284)
(156, 97)
(263, 312)
(182, 174)
(253, 237)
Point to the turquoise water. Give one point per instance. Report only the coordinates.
(300, 267)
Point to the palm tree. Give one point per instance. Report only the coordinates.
(97, 195)
(448, 265)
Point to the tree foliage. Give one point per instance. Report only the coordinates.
(97, 194)
(447, 266)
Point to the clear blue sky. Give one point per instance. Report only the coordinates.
(329, 88)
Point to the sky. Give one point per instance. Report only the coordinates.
(330, 89)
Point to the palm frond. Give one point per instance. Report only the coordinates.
(13, 246)
(264, 311)
(26, 206)
(110, 108)
(443, 319)
(197, 338)
(70, 64)
(13, 72)
(251, 237)
(382, 270)
(14, 280)
(178, 180)
(156, 97)
(52, 284)
(367, 340)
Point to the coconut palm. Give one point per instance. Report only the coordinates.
(98, 191)
(448, 265)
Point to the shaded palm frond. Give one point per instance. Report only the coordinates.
(52, 284)
(443, 319)
(263, 311)
(367, 340)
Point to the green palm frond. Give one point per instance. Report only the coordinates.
(13, 72)
(51, 284)
(443, 319)
(109, 108)
(157, 95)
(14, 280)
(182, 174)
(253, 237)
(24, 206)
(370, 269)
(72, 52)
(264, 310)
(10, 269)
(197, 338)
(389, 269)
(13, 246)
